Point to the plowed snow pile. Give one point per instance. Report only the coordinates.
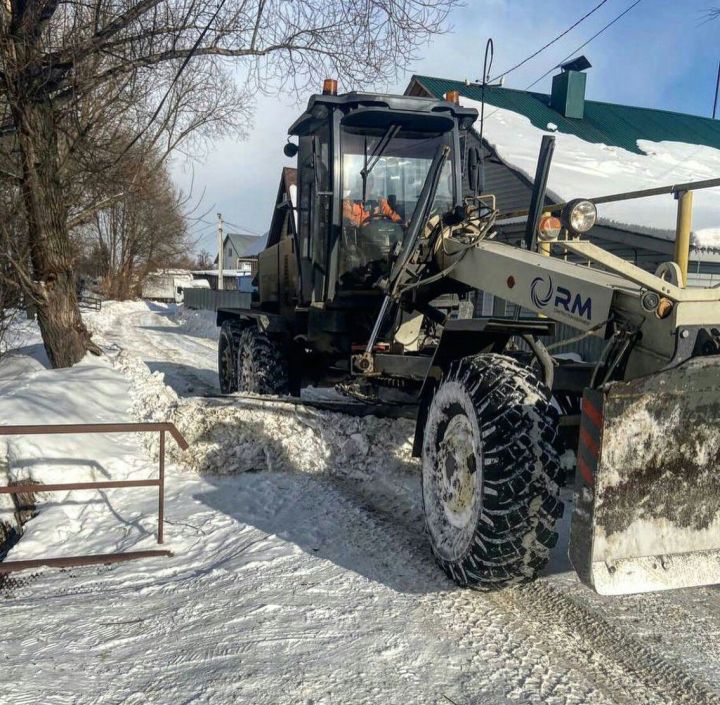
(251, 434)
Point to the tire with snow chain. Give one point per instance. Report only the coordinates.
(227, 357)
(490, 475)
(262, 368)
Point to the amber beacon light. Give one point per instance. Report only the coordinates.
(329, 86)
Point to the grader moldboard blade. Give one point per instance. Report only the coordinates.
(647, 497)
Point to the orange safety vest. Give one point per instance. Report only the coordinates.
(355, 212)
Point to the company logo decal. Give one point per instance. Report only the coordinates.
(539, 294)
(542, 292)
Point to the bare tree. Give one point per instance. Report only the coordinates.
(10, 287)
(143, 231)
(204, 260)
(62, 62)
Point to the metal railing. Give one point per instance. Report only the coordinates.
(32, 487)
(88, 300)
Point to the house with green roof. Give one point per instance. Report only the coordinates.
(601, 149)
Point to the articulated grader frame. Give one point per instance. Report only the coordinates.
(646, 415)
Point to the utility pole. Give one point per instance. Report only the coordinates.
(221, 254)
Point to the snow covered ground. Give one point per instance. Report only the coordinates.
(300, 574)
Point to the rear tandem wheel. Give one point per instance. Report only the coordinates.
(227, 357)
(262, 368)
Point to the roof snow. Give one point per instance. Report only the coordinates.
(585, 169)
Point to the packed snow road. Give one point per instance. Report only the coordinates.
(305, 579)
(182, 352)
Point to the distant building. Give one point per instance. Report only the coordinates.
(239, 250)
(233, 279)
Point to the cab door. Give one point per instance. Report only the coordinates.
(315, 211)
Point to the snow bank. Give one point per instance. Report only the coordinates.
(248, 433)
(202, 324)
(584, 169)
(240, 433)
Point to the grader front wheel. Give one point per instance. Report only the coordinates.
(491, 478)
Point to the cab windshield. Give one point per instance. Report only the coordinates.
(383, 173)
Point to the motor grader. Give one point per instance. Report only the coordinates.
(366, 284)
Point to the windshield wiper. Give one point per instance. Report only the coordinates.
(380, 148)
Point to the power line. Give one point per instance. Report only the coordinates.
(250, 231)
(582, 46)
(551, 42)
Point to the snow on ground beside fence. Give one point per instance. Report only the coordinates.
(245, 434)
(76, 522)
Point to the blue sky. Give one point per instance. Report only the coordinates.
(662, 54)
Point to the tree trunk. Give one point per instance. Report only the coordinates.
(64, 335)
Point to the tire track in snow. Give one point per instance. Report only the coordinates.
(619, 665)
(557, 630)
(193, 359)
(647, 677)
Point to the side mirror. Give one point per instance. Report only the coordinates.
(290, 149)
(475, 170)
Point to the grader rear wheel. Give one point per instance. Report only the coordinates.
(490, 473)
(227, 357)
(261, 365)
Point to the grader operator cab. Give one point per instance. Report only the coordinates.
(366, 286)
(362, 164)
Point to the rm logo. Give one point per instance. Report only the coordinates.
(542, 292)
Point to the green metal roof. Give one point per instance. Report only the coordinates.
(606, 123)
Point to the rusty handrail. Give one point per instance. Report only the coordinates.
(51, 429)
(101, 485)
(161, 427)
(74, 561)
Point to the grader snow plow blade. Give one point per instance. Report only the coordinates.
(647, 495)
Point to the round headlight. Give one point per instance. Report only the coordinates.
(579, 215)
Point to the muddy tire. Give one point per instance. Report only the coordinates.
(491, 477)
(262, 367)
(227, 357)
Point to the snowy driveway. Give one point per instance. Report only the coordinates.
(182, 353)
(302, 586)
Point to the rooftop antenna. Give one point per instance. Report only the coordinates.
(717, 86)
(487, 65)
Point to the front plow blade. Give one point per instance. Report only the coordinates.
(647, 495)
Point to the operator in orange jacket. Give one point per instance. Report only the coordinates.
(356, 212)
